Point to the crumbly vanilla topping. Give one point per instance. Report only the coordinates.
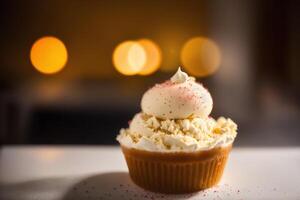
(177, 135)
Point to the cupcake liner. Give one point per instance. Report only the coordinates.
(178, 172)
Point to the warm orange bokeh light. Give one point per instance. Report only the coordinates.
(129, 58)
(153, 59)
(200, 56)
(48, 55)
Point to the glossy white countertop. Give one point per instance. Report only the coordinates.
(84, 172)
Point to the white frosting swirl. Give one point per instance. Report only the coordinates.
(179, 76)
(179, 98)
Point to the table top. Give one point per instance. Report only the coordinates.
(100, 172)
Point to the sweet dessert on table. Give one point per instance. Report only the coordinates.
(173, 145)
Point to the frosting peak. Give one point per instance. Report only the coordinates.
(179, 98)
(179, 76)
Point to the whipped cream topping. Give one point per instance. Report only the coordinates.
(175, 117)
(179, 98)
(154, 134)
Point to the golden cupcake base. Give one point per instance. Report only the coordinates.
(176, 172)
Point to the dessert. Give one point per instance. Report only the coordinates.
(173, 145)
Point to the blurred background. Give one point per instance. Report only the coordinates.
(73, 72)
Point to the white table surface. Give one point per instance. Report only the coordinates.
(81, 172)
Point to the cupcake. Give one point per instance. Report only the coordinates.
(173, 145)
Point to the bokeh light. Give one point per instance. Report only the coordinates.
(153, 56)
(48, 55)
(200, 56)
(129, 58)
